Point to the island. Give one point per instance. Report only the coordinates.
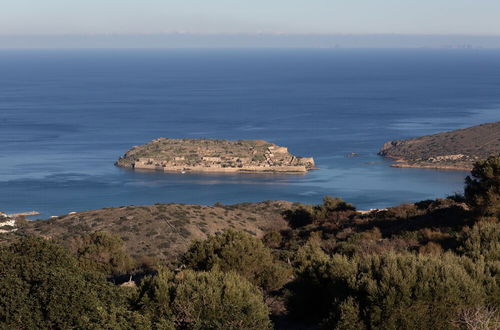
(454, 150)
(212, 155)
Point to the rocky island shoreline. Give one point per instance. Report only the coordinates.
(215, 156)
(454, 150)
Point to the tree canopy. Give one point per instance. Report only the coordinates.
(482, 187)
(42, 286)
(203, 300)
(241, 253)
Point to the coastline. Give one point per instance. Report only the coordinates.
(456, 150)
(202, 169)
(432, 167)
(403, 163)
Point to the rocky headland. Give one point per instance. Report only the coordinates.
(454, 150)
(206, 155)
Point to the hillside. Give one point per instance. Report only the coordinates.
(285, 265)
(162, 231)
(204, 155)
(455, 150)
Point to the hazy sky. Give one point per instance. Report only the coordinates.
(477, 17)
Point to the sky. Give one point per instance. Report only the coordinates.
(101, 17)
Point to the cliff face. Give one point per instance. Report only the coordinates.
(203, 155)
(456, 150)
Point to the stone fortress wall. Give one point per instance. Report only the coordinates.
(214, 164)
(218, 169)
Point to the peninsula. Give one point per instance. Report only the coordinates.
(455, 150)
(207, 155)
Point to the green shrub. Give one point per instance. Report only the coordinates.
(333, 204)
(482, 188)
(308, 254)
(333, 208)
(241, 253)
(203, 300)
(319, 286)
(43, 287)
(103, 252)
(349, 316)
(392, 291)
(300, 217)
(272, 239)
(482, 241)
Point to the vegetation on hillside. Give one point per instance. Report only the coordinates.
(241, 253)
(43, 287)
(160, 232)
(202, 300)
(429, 265)
(482, 190)
(458, 149)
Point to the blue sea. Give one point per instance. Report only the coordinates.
(67, 115)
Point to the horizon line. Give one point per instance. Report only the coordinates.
(247, 40)
(277, 34)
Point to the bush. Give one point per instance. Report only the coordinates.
(203, 300)
(482, 241)
(482, 188)
(300, 217)
(431, 248)
(392, 291)
(308, 254)
(103, 252)
(43, 287)
(334, 204)
(319, 284)
(241, 253)
(272, 239)
(332, 209)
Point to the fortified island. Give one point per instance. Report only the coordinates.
(207, 155)
(455, 150)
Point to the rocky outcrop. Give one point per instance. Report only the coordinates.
(204, 155)
(455, 150)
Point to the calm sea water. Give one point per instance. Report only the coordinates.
(66, 116)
